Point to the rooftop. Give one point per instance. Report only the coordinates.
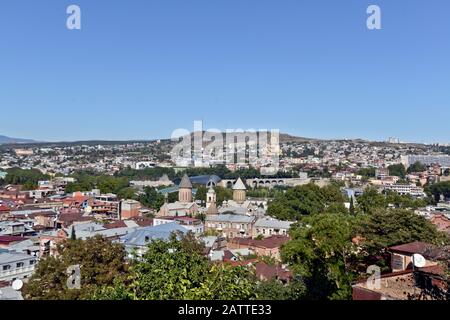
(185, 183)
(13, 257)
(270, 242)
(239, 185)
(230, 218)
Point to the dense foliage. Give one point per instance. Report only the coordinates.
(28, 178)
(398, 170)
(178, 270)
(305, 200)
(100, 263)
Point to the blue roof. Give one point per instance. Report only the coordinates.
(173, 190)
(205, 179)
(144, 236)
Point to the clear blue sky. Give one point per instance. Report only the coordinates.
(139, 69)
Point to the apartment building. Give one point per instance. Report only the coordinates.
(15, 266)
(231, 225)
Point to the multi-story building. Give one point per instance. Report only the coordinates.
(231, 225)
(15, 266)
(192, 224)
(406, 189)
(267, 227)
(129, 209)
(442, 160)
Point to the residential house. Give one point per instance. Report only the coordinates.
(138, 240)
(231, 225)
(267, 227)
(16, 266)
(268, 247)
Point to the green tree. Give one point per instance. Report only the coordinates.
(276, 290)
(417, 167)
(151, 198)
(439, 189)
(370, 200)
(366, 172)
(352, 205)
(305, 200)
(127, 193)
(383, 228)
(100, 262)
(320, 251)
(27, 177)
(178, 270)
(73, 236)
(201, 194)
(397, 170)
(223, 194)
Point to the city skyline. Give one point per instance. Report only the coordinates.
(140, 71)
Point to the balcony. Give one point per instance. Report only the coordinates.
(16, 272)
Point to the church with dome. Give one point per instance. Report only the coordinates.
(185, 206)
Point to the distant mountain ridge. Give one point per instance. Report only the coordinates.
(7, 140)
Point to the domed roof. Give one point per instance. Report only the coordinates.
(239, 185)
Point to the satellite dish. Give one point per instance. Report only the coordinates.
(419, 261)
(17, 285)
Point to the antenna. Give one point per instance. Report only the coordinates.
(17, 284)
(419, 261)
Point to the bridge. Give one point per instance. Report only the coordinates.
(267, 182)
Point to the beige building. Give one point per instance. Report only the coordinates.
(239, 192)
(130, 209)
(184, 206)
(230, 225)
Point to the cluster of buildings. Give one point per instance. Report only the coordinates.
(417, 271)
(32, 224)
(236, 231)
(68, 158)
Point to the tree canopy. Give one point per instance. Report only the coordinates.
(178, 270)
(320, 251)
(305, 200)
(397, 170)
(100, 263)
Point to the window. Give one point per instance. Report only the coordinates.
(32, 262)
(6, 267)
(19, 264)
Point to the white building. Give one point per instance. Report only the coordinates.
(406, 189)
(267, 227)
(15, 266)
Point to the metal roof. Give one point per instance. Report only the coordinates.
(141, 237)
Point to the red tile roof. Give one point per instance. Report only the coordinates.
(271, 242)
(114, 225)
(143, 221)
(435, 270)
(265, 271)
(428, 250)
(6, 240)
